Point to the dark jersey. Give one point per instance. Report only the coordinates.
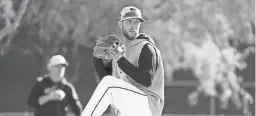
(142, 74)
(43, 86)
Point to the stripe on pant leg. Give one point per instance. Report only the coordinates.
(113, 87)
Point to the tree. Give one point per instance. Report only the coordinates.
(42, 28)
(191, 33)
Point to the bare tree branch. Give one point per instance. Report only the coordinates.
(9, 29)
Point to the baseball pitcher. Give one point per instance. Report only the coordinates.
(135, 86)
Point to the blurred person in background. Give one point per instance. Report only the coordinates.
(52, 93)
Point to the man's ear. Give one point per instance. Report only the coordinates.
(120, 24)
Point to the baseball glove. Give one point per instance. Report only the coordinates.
(108, 47)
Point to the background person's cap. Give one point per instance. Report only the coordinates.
(57, 60)
(131, 12)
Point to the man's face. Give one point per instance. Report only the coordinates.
(57, 72)
(130, 28)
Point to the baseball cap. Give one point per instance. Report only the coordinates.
(130, 12)
(57, 60)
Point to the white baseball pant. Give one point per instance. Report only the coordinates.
(124, 97)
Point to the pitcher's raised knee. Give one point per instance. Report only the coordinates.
(108, 79)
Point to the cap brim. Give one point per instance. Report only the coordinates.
(65, 64)
(141, 19)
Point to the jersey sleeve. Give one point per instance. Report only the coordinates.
(102, 69)
(35, 93)
(142, 74)
(74, 101)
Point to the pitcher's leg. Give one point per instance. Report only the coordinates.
(126, 98)
(130, 103)
(99, 101)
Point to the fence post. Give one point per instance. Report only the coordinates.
(212, 106)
